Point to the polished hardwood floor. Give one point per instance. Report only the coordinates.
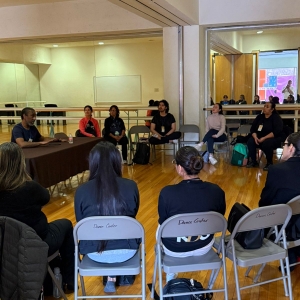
(240, 184)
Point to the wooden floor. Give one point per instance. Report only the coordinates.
(240, 184)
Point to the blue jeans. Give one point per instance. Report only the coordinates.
(210, 140)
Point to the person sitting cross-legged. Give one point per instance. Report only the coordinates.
(215, 131)
(163, 126)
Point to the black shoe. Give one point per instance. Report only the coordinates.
(252, 164)
(266, 167)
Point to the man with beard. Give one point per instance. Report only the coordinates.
(25, 134)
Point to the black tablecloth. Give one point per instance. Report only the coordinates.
(56, 162)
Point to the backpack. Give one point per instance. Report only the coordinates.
(184, 285)
(142, 154)
(239, 155)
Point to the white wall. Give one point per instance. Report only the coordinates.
(68, 81)
(271, 41)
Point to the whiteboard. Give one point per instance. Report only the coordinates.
(114, 89)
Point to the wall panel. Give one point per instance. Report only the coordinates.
(222, 76)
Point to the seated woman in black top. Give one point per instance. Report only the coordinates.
(282, 185)
(115, 130)
(107, 194)
(267, 134)
(22, 199)
(190, 195)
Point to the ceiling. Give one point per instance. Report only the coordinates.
(105, 41)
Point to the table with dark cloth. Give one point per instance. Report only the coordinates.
(55, 162)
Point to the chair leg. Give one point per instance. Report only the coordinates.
(82, 286)
(154, 278)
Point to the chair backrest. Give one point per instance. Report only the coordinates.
(263, 217)
(244, 129)
(9, 105)
(294, 204)
(192, 224)
(190, 132)
(136, 130)
(108, 228)
(60, 135)
(139, 129)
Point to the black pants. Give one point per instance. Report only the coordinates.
(123, 141)
(60, 237)
(267, 147)
(165, 139)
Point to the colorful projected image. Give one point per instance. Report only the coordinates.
(271, 82)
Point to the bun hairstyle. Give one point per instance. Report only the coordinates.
(190, 160)
(294, 139)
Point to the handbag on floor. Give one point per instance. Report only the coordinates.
(184, 285)
(248, 239)
(239, 155)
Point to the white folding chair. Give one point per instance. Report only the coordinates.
(97, 228)
(136, 131)
(263, 217)
(294, 204)
(195, 224)
(190, 135)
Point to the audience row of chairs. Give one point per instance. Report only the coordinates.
(195, 224)
(190, 136)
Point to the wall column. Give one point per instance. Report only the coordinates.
(193, 74)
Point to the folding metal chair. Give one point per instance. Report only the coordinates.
(222, 147)
(263, 217)
(243, 129)
(136, 131)
(195, 224)
(294, 204)
(190, 135)
(97, 228)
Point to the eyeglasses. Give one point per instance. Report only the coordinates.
(283, 144)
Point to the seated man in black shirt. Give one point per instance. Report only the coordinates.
(163, 125)
(25, 134)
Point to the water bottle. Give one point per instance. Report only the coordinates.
(58, 277)
(119, 147)
(70, 139)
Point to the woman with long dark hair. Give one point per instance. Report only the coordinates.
(107, 194)
(115, 130)
(22, 199)
(266, 134)
(189, 196)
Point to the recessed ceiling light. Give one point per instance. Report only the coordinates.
(101, 43)
(259, 32)
(55, 45)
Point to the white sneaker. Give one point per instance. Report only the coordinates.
(125, 162)
(199, 146)
(212, 160)
(171, 276)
